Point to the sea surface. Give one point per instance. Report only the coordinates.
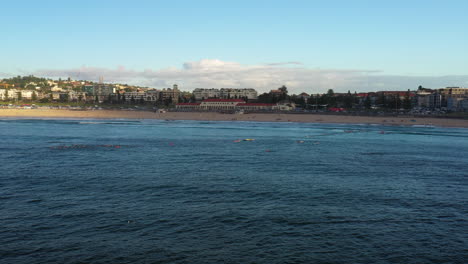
(151, 191)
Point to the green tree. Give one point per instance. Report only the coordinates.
(284, 93)
(348, 100)
(34, 96)
(407, 100)
(265, 98)
(330, 98)
(355, 98)
(381, 100)
(367, 102)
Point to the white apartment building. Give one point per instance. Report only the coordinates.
(152, 95)
(203, 93)
(136, 96)
(224, 93)
(233, 93)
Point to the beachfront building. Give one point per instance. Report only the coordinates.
(256, 106)
(203, 93)
(422, 95)
(233, 105)
(304, 96)
(449, 97)
(151, 95)
(3, 94)
(454, 91)
(220, 104)
(188, 106)
(88, 89)
(75, 96)
(137, 96)
(463, 105)
(102, 91)
(29, 94)
(59, 96)
(235, 93)
(171, 95)
(285, 106)
(276, 92)
(435, 100)
(225, 93)
(211, 105)
(8, 94)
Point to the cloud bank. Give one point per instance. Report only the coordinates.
(213, 73)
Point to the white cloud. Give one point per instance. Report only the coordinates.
(213, 73)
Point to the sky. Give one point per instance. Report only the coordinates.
(311, 46)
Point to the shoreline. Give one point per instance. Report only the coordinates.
(254, 117)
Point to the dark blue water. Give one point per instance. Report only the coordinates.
(127, 191)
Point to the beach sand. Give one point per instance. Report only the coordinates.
(260, 117)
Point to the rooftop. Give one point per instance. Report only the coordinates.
(224, 100)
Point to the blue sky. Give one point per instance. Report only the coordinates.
(417, 40)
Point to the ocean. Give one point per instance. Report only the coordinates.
(152, 191)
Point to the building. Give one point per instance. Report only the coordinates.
(103, 90)
(220, 104)
(76, 96)
(11, 94)
(152, 95)
(422, 95)
(3, 94)
(169, 94)
(28, 94)
(134, 96)
(463, 105)
(454, 91)
(434, 100)
(234, 93)
(202, 93)
(59, 96)
(88, 89)
(285, 106)
(233, 105)
(188, 106)
(276, 92)
(5, 85)
(256, 106)
(225, 93)
(305, 96)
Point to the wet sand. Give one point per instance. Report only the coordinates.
(208, 116)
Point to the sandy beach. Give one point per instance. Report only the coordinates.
(259, 117)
